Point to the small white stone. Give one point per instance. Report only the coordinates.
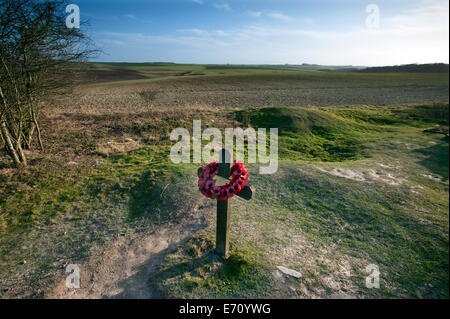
(289, 272)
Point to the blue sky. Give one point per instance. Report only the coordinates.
(269, 31)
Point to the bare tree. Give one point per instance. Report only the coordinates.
(38, 56)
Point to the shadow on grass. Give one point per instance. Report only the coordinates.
(436, 158)
(145, 197)
(196, 271)
(152, 276)
(182, 274)
(136, 286)
(157, 199)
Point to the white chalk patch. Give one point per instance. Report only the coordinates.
(388, 179)
(289, 272)
(434, 178)
(348, 173)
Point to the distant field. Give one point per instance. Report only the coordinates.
(359, 182)
(177, 85)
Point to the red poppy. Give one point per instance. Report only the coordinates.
(207, 186)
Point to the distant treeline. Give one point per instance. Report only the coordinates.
(407, 68)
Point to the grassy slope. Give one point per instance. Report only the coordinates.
(56, 212)
(66, 213)
(73, 209)
(330, 228)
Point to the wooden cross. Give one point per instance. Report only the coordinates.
(223, 206)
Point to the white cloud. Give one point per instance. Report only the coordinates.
(256, 14)
(204, 33)
(198, 1)
(197, 32)
(429, 18)
(130, 16)
(279, 16)
(419, 35)
(224, 6)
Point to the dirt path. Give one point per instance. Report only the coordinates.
(123, 269)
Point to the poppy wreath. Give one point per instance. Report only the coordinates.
(207, 185)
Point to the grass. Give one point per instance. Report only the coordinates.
(73, 212)
(328, 228)
(337, 134)
(309, 73)
(306, 133)
(195, 271)
(417, 116)
(54, 196)
(340, 223)
(356, 185)
(370, 223)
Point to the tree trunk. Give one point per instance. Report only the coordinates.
(29, 138)
(3, 140)
(22, 157)
(7, 136)
(9, 145)
(38, 129)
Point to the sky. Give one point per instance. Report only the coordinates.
(338, 32)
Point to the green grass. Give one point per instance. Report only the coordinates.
(69, 213)
(152, 70)
(309, 71)
(55, 196)
(195, 271)
(303, 217)
(306, 133)
(336, 134)
(417, 116)
(333, 227)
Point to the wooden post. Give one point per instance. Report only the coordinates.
(223, 227)
(223, 208)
